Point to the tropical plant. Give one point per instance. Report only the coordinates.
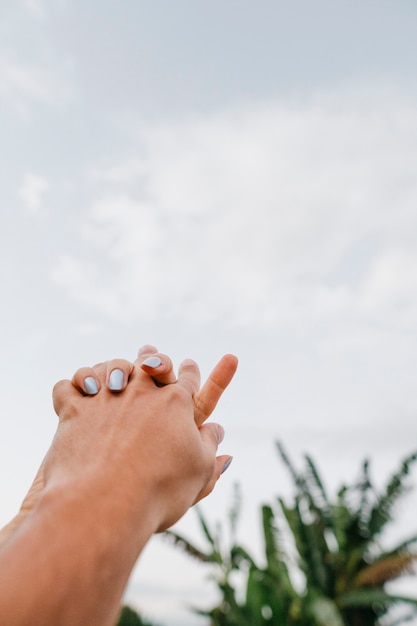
(334, 547)
(129, 617)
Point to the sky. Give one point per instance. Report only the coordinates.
(214, 177)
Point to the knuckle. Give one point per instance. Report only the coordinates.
(62, 398)
(179, 393)
(60, 387)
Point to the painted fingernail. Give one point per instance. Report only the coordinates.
(90, 386)
(226, 465)
(152, 361)
(116, 380)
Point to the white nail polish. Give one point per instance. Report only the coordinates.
(152, 361)
(226, 465)
(90, 386)
(116, 380)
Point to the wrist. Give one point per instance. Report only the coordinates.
(111, 507)
(80, 542)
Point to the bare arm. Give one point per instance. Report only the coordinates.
(121, 467)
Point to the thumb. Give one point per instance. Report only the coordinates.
(212, 435)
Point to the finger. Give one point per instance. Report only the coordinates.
(65, 397)
(159, 367)
(156, 365)
(87, 380)
(210, 393)
(221, 464)
(117, 374)
(211, 436)
(147, 349)
(211, 433)
(189, 376)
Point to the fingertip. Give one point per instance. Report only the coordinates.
(214, 431)
(188, 365)
(159, 367)
(228, 366)
(118, 373)
(232, 358)
(147, 349)
(189, 375)
(222, 463)
(152, 362)
(90, 386)
(226, 465)
(116, 380)
(86, 380)
(64, 397)
(59, 390)
(220, 432)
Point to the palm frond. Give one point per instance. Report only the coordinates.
(385, 569)
(276, 557)
(373, 596)
(311, 546)
(188, 547)
(270, 537)
(335, 553)
(367, 497)
(239, 555)
(206, 531)
(317, 489)
(396, 487)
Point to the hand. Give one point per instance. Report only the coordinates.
(162, 373)
(145, 437)
(128, 459)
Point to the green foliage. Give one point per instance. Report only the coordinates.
(333, 545)
(129, 617)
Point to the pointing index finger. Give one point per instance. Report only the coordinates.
(206, 399)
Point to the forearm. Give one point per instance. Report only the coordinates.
(121, 467)
(70, 562)
(8, 530)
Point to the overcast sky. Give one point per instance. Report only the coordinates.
(211, 177)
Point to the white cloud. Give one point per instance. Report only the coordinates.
(257, 215)
(129, 170)
(33, 190)
(390, 287)
(37, 8)
(24, 83)
(40, 9)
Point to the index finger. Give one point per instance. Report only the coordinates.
(206, 399)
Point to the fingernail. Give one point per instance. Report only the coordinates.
(226, 465)
(152, 361)
(90, 386)
(116, 380)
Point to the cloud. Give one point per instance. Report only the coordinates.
(25, 83)
(274, 214)
(40, 9)
(32, 191)
(37, 8)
